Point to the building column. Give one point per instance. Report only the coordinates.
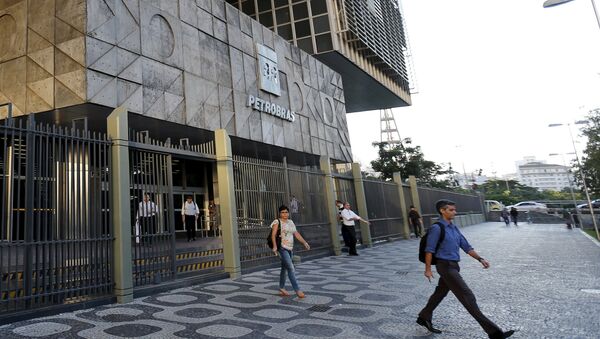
(120, 197)
(229, 225)
(414, 193)
(332, 211)
(403, 208)
(361, 201)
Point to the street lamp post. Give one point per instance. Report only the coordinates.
(585, 188)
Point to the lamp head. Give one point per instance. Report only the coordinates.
(554, 125)
(552, 3)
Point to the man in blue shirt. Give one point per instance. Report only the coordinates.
(447, 256)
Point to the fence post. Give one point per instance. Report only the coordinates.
(332, 211)
(118, 130)
(225, 184)
(403, 207)
(414, 192)
(361, 201)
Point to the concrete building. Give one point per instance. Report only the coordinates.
(544, 176)
(113, 112)
(364, 41)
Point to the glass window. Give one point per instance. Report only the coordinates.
(264, 6)
(285, 31)
(282, 15)
(248, 7)
(324, 42)
(279, 3)
(300, 11)
(302, 29)
(321, 24)
(318, 7)
(306, 45)
(266, 19)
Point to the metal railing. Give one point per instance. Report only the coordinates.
(56, 240)
(385, 213)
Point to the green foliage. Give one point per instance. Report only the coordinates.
(409, 160)
(590, 162)
(511, 192)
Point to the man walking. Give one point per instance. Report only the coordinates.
(447, 255)
(146, 218)
(416, 222)
(348, 231)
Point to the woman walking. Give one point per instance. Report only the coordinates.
(283, 231)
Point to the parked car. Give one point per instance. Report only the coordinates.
(595, 204)
(525, 206)
(493, 205)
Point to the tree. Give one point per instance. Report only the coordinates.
(409, 160)
(510, 192)
(590, 162)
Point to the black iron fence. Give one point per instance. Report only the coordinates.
(465, 203)
(383, 205)
(260, 188)
(56, 241)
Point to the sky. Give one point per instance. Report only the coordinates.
(491, 76)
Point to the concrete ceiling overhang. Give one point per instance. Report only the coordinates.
(361, 91)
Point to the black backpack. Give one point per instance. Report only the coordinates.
(277, 238)
(423, 244)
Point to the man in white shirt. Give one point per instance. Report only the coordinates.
(348, 232)
(189, 216)
(146, 218)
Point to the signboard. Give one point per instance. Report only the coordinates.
(268, 72)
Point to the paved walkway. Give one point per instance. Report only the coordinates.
(537, 284)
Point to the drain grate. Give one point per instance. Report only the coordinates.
(402, 273)
(319, 308)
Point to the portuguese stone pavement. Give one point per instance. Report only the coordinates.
(544, 282)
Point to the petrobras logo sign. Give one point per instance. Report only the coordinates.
(265, 106)
(268, 71)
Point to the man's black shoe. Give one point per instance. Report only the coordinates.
(502, 335)
(428, 325)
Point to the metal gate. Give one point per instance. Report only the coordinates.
(385, 213)
(56, 241)
(153, 230)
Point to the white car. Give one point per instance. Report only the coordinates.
(524, 206)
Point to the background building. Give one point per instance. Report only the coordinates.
(544, 176)
(364, 41)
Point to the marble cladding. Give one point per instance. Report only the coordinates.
(187, 61)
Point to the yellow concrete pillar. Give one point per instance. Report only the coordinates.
(361, 202)
(121, 212)
(229, 225)
(332, 211)
(403, 208)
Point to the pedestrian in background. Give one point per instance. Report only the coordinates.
(283, 245)
(504, 215)
(348, 231)
(447, 255)
(416, 222)
(146, 218)
(514, 215)
(189, 215)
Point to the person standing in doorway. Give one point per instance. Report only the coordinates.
(348, 231)
(283, 246)
(146, 217)
(189, 216)
(514, 215)
(447, 255)
(416, 222)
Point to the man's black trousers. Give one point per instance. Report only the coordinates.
(190, 226)
(451, 280)
(349, 235)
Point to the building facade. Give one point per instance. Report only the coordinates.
(364, 41)
(545, 176)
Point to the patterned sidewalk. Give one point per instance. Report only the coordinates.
(542, 283)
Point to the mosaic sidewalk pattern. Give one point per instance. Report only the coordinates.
(539, 284)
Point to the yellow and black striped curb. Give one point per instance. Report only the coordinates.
(199, 266)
